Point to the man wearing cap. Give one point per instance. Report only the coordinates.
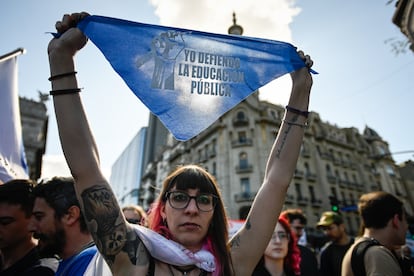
(332, 253)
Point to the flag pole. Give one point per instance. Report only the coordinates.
(18, 51)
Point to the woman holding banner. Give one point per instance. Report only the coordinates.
(189, 237)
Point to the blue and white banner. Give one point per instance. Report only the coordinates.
(12, 158)
(188, 78)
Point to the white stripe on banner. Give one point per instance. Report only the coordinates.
(12, 159)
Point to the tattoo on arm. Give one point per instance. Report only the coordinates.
(134, 247)
(248, 225)
(108, 227)
(235, 241)
(284, 137)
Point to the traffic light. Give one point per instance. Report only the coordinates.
(334, 203)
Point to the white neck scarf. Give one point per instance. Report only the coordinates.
(170, 252)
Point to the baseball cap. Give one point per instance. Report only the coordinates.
(329, 218)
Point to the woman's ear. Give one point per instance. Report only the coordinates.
(162, 212)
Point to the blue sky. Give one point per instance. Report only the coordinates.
(361, 81)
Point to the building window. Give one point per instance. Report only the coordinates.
(241, 116)
(242, 137)
(338, 177)
(318, 149)
(312, 193)
(343, 197)
(340, 158)
(243, 162)
(273, 114)
(245, 186)
(332, 154)
(328, 170)
(307, 170)
(354, 179)
(352, 199)
(389, 170)
(381, 150)
(346, 178)
(333, 191)
(214, 171)
(199, 155)
(298, 190)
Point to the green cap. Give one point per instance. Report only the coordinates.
(329, 218)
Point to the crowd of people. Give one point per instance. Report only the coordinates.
(75, 226)
(43, 231)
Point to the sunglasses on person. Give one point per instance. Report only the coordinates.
(180, 200)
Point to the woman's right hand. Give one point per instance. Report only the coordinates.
(70, 39)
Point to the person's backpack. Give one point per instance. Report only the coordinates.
(357, 257)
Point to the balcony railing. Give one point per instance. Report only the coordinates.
(316, 202)
(298, 174)
(244, 169)
(244, 196)
(289, 199)
(311, 176)
(303, 201)
(240, 122)
(242, 142)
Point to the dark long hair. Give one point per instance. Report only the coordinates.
(195, 177)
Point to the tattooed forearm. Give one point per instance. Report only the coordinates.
(235, 241)
(284, 137)
(137, 253)
(104, 219)
(248, 225)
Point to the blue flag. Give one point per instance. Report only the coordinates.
(12, 158)
(188, 78)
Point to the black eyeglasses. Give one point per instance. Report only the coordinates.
(282, 236)
(180, 200)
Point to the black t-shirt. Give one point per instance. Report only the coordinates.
(308, 262)
(260, 270)
(331, 258)
(30, 265)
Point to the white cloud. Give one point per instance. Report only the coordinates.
(55, 165)
(265, 19)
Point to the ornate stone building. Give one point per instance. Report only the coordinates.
(34, 120)
(404, 19)
(335, 164)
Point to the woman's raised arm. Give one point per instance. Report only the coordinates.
(115, 239)
(249, 244)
